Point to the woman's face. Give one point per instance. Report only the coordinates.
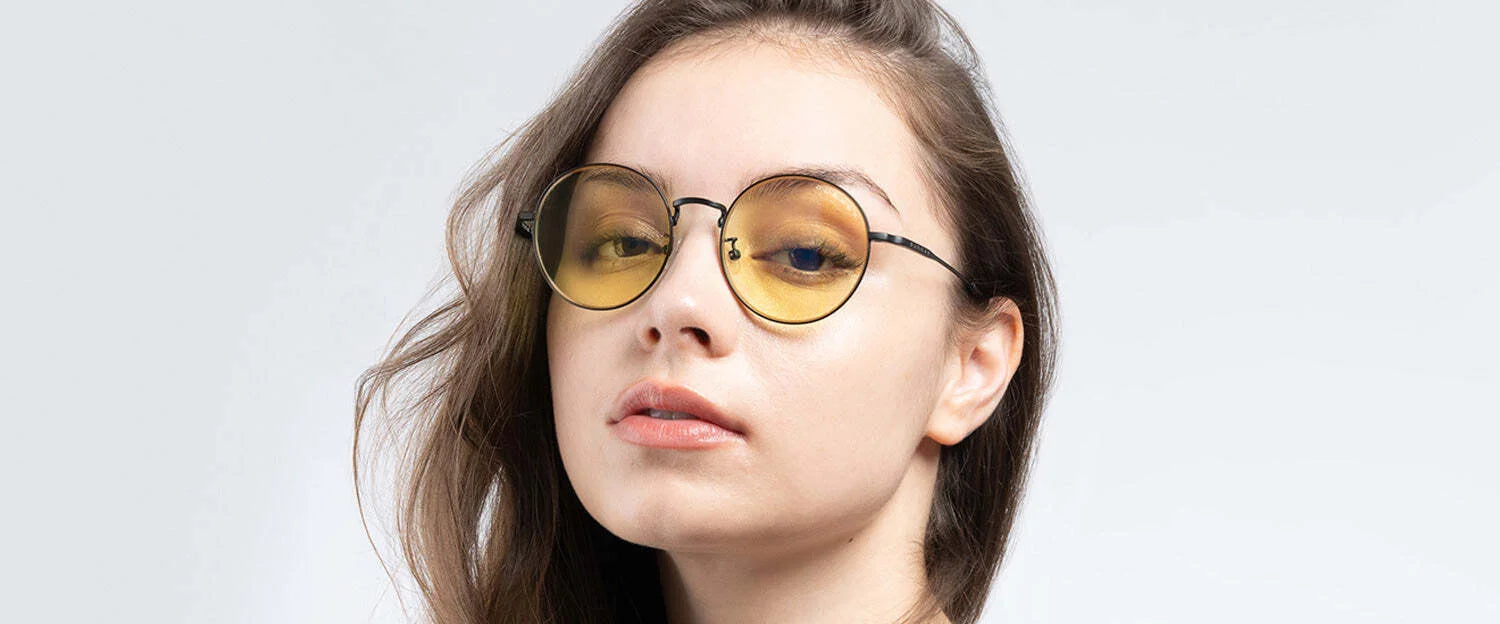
(833, 412)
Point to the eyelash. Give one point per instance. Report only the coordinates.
(836, 258)
(838, 262)
(591, 252)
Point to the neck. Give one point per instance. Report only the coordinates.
(872, 572)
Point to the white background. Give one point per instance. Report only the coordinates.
(1273, 225)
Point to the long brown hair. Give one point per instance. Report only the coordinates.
(486, 519)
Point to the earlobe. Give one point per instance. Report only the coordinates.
(981, 366)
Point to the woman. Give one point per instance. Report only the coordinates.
(754, 325)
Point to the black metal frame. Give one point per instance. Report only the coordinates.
(526, 222)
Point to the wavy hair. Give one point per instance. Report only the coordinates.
(486, 519)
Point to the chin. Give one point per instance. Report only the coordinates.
(672, 514)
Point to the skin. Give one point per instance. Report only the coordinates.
(818, 514)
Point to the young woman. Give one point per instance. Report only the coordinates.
(753, 325)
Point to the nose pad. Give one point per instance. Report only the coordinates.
(682, 242)
(677, 204)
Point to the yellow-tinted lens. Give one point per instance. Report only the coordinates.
(794, 248)
(603, 233)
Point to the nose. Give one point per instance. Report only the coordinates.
(690, 309)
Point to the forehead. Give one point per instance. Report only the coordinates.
(709, 120)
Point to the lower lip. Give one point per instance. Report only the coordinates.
(672, 434)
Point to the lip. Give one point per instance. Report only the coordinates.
(713, 426)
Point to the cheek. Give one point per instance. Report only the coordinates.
(578, 374)
(567, 364)
(584, 367)
(845, 414)
(837, 409)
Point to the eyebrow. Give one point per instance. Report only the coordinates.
(840, 175)
(615, 176)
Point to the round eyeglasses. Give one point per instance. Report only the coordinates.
(793, 247)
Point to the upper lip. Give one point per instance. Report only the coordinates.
(649, 394)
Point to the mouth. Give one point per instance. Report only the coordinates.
(666, 408)
(666, 415)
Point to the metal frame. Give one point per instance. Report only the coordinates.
(526, 225)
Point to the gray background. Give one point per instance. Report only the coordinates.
(1273, 225)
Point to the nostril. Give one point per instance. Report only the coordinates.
(701, 335)
(655, 334)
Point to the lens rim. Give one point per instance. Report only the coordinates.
(724, 229)
(536, 240)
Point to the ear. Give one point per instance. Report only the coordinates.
(979, 369)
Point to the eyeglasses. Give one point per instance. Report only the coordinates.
(793, 247)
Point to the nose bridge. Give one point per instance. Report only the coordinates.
(681, 234)
(690, 298)
(678, 203)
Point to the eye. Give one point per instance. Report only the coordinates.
(627, 246)
(810, 258)
(615, 247)
(805, 259)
